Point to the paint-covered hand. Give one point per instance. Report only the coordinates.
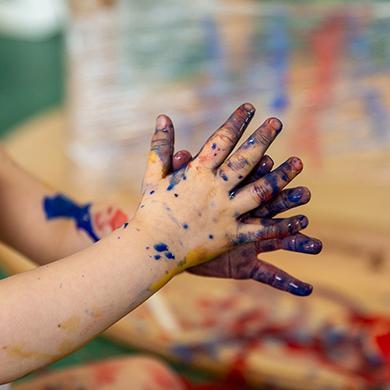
(201, 210)
(242, 262)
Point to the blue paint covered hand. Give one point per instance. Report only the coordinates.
(207, 207)
(242, 262)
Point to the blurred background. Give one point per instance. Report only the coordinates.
(80, 86)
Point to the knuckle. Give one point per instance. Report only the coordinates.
(264, 137)
(261, 192)
(226, 135)
(237, 162)
(159, 143)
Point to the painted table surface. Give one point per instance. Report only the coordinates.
(338, 337)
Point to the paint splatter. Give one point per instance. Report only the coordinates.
(60, 206)
(161, 247)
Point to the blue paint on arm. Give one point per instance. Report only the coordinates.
(161, 247)
(59, 206)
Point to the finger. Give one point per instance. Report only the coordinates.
(264, 272)
(242, 263)
(223, 141)
(257, 193)
(241, 162)
(261, 169)
(285, 200)
(264, 229)
(181, 159)
(295, 243)
(160, 154)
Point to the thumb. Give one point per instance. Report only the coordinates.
(160, 154)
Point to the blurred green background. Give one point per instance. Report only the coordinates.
(31, 78)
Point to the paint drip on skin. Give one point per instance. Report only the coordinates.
(60, 206)
(176, 178)
(163, 249)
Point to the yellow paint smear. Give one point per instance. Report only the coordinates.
(152, 158)
(18, 352)
(194, 257)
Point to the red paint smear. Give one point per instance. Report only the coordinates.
(383, 342)
(223, 384)
(365, 324)
(118, 219)
(97, 222)
(161, 376)
(106, 373)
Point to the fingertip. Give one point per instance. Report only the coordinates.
(306, 196)
(296, 162)
(267, 162)
(249, 107)
(180, 159)
(303, 221)
(299, 195)
(316, 246)
(162, 122)
(300, 289)
(275, 123)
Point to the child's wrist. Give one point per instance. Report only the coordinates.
(159, 255)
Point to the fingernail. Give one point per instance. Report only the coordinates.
(161, 122)
(296, 163)
(249, 108)
(313, 246)
(295, 195)
(301, 290)
(303, 221)
(266, 162)
(276, 124)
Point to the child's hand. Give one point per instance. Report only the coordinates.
(242, 262)
(195, 213)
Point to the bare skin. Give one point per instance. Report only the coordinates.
(214, 165)
(242, 262)
(59, 237)
(185, 218)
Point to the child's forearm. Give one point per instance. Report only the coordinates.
(50, 311)
(44, 225)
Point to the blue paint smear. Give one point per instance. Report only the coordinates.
(185, 226)
(224, 177)
(60, 206)
(161, 247)
(211, 236)
(157, 257)
(176, 178)
(300, 290)
(169, 255)
(295, 195)
(213, 146)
